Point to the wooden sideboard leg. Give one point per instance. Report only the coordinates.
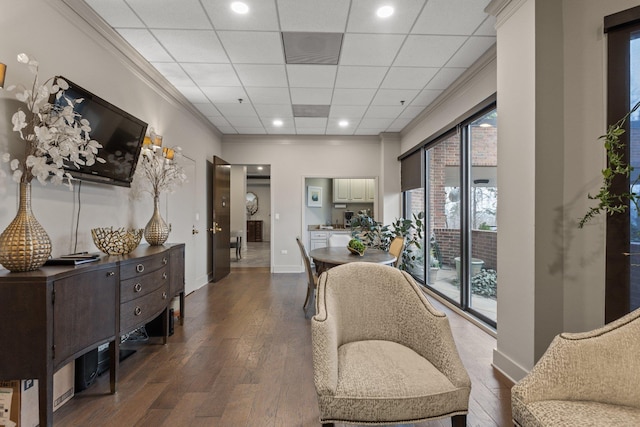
(114, 362)
(182, 308)
(45, 400)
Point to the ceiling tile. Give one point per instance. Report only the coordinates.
(398, 125)
(347, 111)
(313, 15)
(375, 123)
(311, 96)
(219, 121)
(245, 47)
(311, 122)
(460, 17)
(302, 75)
(116, 12)
(193, 94)
(174, 73)
(410, 112)
(192, 45)
(384, 112)
(360, 77)
(394, 97)
(370, 49)
(280, 111)
(425, 97)
(280, 130)
(262, 75)
(471, 51)
(221, 94)
(310, 131)
(363, 18)
(228, 130)
(408, 77)
(262, 15)
(244, 121)
(428, 51)
(208, 109)
(353, 96)
(187, 14)
(444, 78)
(487, 28)
(147, 45)
(269, 95)
(212, 74)
(236, 110)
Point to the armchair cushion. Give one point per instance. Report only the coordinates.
(565, 413)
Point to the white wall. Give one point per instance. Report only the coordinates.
(66, 46)
(293, 158)
(237, 201)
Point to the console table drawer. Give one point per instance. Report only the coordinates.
(141, 310)
(142, 266)
(142, 285)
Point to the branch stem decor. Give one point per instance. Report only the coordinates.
(610, 202)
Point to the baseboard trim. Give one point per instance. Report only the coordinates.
(287, 269)
(507, 367)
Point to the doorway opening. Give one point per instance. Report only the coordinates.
(250, 216)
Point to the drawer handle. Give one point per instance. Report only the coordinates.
(164, 260)
(164, 295)
(164, 276)
(137, 287)
(111, 273)
(140, 268)
(137, 311)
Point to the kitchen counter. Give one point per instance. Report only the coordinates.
(328, 227)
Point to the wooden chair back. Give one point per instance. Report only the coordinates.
(395, 249)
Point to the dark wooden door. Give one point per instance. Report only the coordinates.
(221, 219)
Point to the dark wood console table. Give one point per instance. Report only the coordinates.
(53, 315)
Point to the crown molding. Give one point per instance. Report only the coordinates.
(302, 139)
(503, 9)
(95, 27)
(455, 88)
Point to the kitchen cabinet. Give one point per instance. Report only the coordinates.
(320, 238)
(370, 190)
(352, 190)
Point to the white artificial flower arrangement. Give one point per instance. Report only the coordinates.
(160, 167)
(54, 134)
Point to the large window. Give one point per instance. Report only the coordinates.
(459, 197)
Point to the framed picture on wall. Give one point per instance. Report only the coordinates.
(314, 197)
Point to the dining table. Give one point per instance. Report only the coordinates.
(331, 256)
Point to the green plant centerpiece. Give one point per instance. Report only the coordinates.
(377, 235)
(610, 202)
(355, 246)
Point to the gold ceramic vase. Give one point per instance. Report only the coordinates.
(156, 231)
(24, 244)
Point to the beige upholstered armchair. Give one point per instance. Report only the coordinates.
(381, 353)
(584, 379)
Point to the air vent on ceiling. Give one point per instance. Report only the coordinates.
(312, 48)
(300, 110)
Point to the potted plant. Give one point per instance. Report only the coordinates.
(434, 266)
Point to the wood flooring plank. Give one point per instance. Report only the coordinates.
(244, 358)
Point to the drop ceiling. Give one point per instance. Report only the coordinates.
(233, 67)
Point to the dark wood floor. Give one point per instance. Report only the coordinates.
(243, 358)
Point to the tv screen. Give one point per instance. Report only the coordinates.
(120, 134)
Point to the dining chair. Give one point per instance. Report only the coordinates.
(339, 240)
(236, 243)
(395, 249)
(312, 281)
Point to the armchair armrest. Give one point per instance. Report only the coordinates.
(324, 331)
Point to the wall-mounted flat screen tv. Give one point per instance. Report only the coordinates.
(120, 134)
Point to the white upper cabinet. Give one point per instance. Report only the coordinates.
(354, 190)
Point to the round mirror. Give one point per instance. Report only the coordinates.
(252, 203)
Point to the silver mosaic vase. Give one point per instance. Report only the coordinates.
(24, 244)
(156, 231)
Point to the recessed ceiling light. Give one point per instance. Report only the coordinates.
(485, 125)
(259, 168)
(239, 7)
(385, 11)
(277, 122)
(343, 123)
